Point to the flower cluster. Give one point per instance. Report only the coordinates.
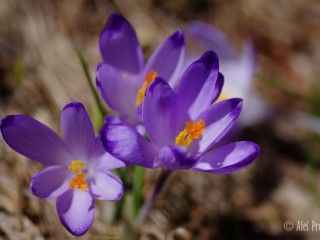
(183, 124)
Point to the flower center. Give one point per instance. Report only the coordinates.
(148, 80)
(192, 130)
(79, 180)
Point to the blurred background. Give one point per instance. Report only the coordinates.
(40, 73)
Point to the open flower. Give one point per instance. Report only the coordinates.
(78, 168)
(123, 78)
(238, 69)
(183, 126)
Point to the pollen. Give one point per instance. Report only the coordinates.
(79, 180)
(76, 166)
(148, 80)
(192, 130)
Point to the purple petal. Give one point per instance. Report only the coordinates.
(119, 45)
(239, 72)
(107, 161)
(218, 87)
(103, 159)
(106, 186)
(209, 37)
(208, 94)
(195, 77)
(126, 144)
(119, 93)
(176, 158)
(34, 140)
(219, 118)
(168, 57)
(228, 158)
(50, 182)
(76, 211)
(161, 116)
(77, 130)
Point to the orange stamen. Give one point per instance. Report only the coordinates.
(192, 130)
(79, 180)
(148, 80)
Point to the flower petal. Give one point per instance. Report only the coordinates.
(207, 95)
(195, 77)
(176, 158)
(34, 140)
(167, 58)
(50, 182)
(126, 144)
(119, 45)
(161, 116)
(218, 87)
(106, 186)
(77, 130)
(228, 158)
(76, 211)
(219, 118)
(107, 161)
(119, 92)
(103, 159)
(239, 72)
(209, 37)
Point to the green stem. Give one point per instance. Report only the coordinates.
(85, 68)
(120, 204)
(137, 187)
(150, 201)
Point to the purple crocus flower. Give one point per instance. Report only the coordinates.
(183, 125)
(78, 167)
(123, 78)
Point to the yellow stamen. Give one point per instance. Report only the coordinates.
(76, 166)
(192, 130)
(79, 180)
(148, 80)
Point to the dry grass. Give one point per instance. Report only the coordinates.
(40, 73)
